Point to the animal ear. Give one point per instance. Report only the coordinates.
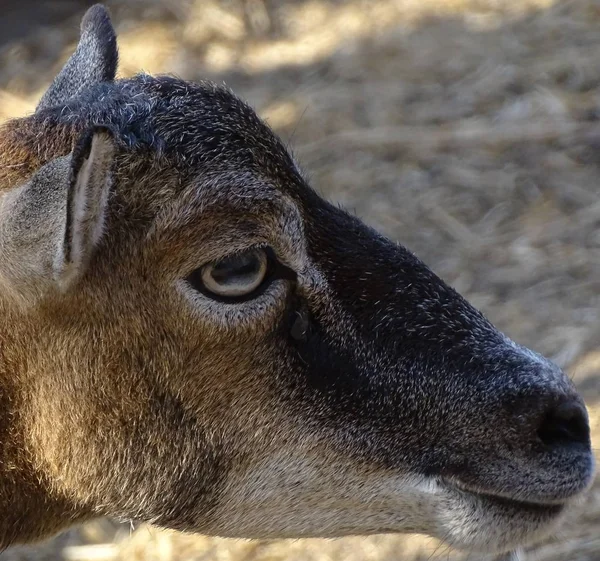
(50, 226)
(94, 61)
(89, 183)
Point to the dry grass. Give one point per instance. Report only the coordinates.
(467, 129)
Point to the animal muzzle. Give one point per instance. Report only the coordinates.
(538, 447)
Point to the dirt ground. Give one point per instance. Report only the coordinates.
(468, 130)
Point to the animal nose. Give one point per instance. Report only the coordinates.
(565, 424)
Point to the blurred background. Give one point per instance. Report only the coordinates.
(468, 130)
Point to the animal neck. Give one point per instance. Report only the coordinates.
(32, 506)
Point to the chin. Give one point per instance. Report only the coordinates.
(480, 522)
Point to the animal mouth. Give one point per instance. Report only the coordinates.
(502, 502)
(533, 508)
(476, 519)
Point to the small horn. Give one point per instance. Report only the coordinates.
(93, 62)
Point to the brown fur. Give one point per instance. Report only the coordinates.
(22, 153)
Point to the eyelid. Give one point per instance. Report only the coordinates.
(275, 271)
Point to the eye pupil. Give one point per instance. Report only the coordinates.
(240, 268)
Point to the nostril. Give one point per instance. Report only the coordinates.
(564, 425)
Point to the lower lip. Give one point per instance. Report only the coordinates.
(539, 509)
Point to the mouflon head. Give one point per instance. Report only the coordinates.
(193, 337)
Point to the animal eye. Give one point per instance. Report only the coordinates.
(235, 276)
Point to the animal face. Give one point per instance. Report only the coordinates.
(197, 339)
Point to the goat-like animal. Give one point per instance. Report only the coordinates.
(191, 336)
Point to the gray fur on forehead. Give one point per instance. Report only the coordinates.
(189, 123)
